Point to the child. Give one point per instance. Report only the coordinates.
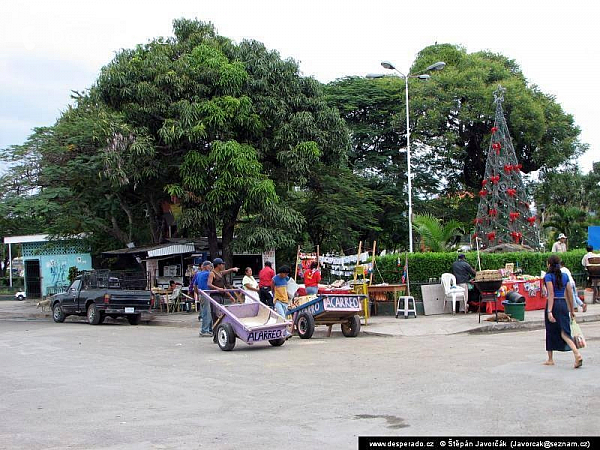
(279, 288)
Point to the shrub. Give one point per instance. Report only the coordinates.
(423, 266)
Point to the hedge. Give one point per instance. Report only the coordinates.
(423, 266)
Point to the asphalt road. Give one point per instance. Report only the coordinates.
(118, 386)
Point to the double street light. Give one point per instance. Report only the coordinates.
(422, 76)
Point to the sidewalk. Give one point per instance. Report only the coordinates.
(388, 326)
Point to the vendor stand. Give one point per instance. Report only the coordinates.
(380, 292)
(530, 289)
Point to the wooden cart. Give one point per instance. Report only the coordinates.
(327, 310)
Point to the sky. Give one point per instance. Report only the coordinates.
(49, 48)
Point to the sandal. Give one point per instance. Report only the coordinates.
(578, 362)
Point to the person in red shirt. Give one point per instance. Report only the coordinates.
(312, 277)
(265, 276)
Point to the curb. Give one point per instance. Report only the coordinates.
(520, 326)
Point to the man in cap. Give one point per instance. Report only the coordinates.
(463, 272)
(560, 246)
(201, 283)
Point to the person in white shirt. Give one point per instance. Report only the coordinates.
(590, 254)
(577, 303)
(560, 246)
(250, 284)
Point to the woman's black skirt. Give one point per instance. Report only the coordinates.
(554, 340)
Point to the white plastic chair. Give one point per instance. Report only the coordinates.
(452, 291)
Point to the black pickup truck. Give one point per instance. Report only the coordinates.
(102, 293)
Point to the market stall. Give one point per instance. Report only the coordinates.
(528, 287)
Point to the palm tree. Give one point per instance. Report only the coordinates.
(436, 236)
(570, 220)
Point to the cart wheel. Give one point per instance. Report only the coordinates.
(277, 342)
(226, 337)
(305, 325)
(352, 327)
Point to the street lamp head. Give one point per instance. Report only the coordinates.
(375, 75)
(424, 77)
(388, 65)
(436, 66)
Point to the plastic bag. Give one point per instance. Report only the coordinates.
(577, 334)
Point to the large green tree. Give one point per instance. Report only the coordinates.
(224, 119)
(230, 129)
(451, 116)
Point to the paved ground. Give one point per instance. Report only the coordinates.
(115, 386)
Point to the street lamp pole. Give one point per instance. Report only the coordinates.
(408, 172)
(423, 76)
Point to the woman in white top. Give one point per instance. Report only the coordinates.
(250, 284)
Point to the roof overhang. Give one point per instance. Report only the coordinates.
(37, 238)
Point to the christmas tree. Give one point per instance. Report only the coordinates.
(504, 214)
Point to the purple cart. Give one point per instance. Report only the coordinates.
(251, 322)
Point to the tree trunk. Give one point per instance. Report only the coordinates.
(228, 229)
(213, 242)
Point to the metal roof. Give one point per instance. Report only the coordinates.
(157, 250)
(37, 238)
(174, 249)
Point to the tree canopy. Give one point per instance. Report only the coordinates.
(451, 115)
(264, 157)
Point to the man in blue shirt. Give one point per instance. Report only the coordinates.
(201, 284)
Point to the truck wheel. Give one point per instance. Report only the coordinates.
(93, 315)
(226, 337)
(305, 325)
(352, 327)
(277, 342)
(134, 319)
(58, 314)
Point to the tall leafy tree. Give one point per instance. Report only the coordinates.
(207, 114)
(451, 116)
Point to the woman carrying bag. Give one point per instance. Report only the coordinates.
(559, 312)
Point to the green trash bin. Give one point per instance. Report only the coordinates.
(515, 310)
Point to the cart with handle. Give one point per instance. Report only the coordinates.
(251, 322)
(327, 309)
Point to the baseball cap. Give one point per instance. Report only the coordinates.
(218, 261)
(206, 263)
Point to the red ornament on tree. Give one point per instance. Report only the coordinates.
(494, 179)
(511, 192)
(477, 220)
(491, 235)
(516, 237)
(513, 216)
(517, 167)
(483, 193)
(531, 220)
(493, 212)
(508, 168)
(483, 182)
(496, 146)
(494, 129)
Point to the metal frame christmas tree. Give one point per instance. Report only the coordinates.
(504, 216)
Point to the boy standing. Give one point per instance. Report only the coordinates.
(279, 287)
